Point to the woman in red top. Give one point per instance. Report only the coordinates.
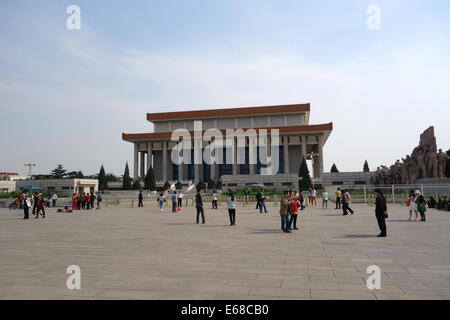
(41, 207)
(294, 210)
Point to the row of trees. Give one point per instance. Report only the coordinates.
(365, 167)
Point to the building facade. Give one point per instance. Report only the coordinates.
(62, 187)
(297, 139)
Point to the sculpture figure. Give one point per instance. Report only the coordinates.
(419, 157)
(442, 162)
(431, 161)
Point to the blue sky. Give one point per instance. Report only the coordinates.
(67, 95)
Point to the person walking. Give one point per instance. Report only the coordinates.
(199, 206)
(294, 210)
(344, 204)
(54, 198)
(214, 200)
(258, 200)
(346, 199)
(301, 200)
(247, 193)
(99, 200)
(92, 200)
(140, 199)
(231, 204)
(41, 207)
(421, 207)
(412, 204)
(338, 194)
(35, 202)
(174, 202)
(180, 199)
(325, 199)
(262, 202)
(380, 211)
(26, 207)
(161, 199)
(284, 207)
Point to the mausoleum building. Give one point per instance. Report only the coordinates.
(297, 139)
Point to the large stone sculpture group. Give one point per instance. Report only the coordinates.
(425, 162)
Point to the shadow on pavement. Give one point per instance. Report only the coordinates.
(265, 231)
(352, 236)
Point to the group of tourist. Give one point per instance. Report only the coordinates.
(85, 201)
(343, 200)
(442, 203)
(293, 201)
(177, 201)
(289, 207)
(36, 202)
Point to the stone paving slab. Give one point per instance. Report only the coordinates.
(141, 253)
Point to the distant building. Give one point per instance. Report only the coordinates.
(11, 176)
(63, 187)
(7, 186)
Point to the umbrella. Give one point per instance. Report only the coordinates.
(32, 188)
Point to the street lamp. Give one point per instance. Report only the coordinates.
(29, 165)
(312, 154)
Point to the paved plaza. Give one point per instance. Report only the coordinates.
(141, 253)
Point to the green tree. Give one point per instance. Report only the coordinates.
(102, 182)
(167, 185)
(178, 185)
(150, 181)
(200, 185)
(366, 166)
(303, 174)
(126, 180)
(75, 175)
(59, 172)
(111, 177)
(136, 184)
(334, 168)
(211, 184)
(219, 184)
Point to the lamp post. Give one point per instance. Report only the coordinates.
(29, 165)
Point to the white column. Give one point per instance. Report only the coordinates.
(149, 155)
(235, 165)
(286, 154)
(164, 164)
(320, 137)
(303, 139)
(136, 161)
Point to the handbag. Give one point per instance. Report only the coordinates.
(408, 202)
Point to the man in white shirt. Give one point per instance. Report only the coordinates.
(54, 198)
(180, 199)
